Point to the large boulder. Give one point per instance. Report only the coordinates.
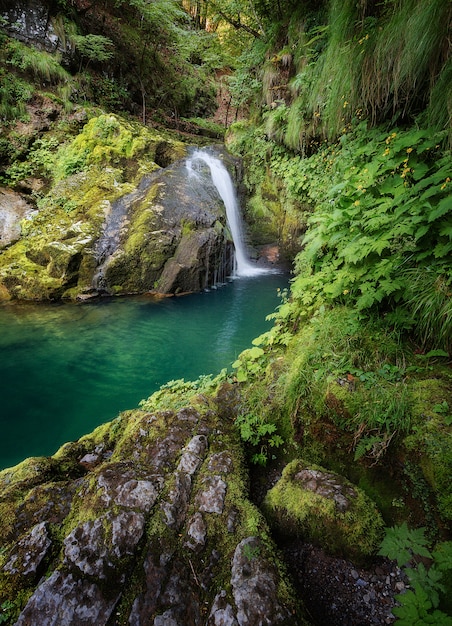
(119, 213)
(170, 235)
(13, 209)
(145, 521)
(326, 509)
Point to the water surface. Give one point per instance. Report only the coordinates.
(66, 368)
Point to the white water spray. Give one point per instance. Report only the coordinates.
(222, 181)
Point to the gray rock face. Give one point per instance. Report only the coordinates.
(151, 525)
(29, 21)
(63, 599)
(169, 235)
(327, 485)
(254, 582)
(13, 209)
(31, 551)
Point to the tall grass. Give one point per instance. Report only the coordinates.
(383, 61)
(36, 63)
(409, 50)
(429, 299)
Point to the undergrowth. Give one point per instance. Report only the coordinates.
(429, 572)
(379, 232)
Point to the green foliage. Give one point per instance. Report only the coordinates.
(428, 298)
(94, 47)
(36, 63)
(444, 410)
(374, 61)
(256, 421)
(40, 161)
(248, 363)
(383, 211)
(419, 605)
(14, 94)
(402, 544)
(7, 611)
(260, 434)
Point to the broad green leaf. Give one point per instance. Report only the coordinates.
(421, 231)
(420, 170)
(444, 206)
(254, 353)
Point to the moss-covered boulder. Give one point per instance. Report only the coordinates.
(326, 509)
(146, 519)
(115, 205)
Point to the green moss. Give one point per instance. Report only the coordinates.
(430, 441)
(353, 529)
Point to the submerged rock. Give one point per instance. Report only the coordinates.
(145, 521)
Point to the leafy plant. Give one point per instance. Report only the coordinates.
(442, 408)
(94, 47)
(248, 363)
(419, 605)
(260, 434)
(401, 544)
(7, 610)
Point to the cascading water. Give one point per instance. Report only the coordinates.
(222, 181)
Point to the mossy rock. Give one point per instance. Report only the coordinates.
(429, 443)
(146, 516)
(326, 509)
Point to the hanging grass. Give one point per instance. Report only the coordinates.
(36, 63)
(439, 111)
(383, 62)
(406, 58)
(429, 298)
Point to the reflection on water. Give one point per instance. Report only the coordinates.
(66, 368)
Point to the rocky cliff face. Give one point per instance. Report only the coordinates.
(169, 235)
(146, 521)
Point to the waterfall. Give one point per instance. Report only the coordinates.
(222, 181)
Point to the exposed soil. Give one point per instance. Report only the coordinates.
(337, 593)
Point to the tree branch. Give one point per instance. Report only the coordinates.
(238, 25)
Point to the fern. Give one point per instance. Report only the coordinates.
(401, 544)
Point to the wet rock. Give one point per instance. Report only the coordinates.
(327, 485)
(193, 455)
(13, 209)
(197, 532)
(95, 547)
(211, 498)
(222, 613)
(63, 599)
(254, 583)
(30, 551)
(176, 508)
(120, 485)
